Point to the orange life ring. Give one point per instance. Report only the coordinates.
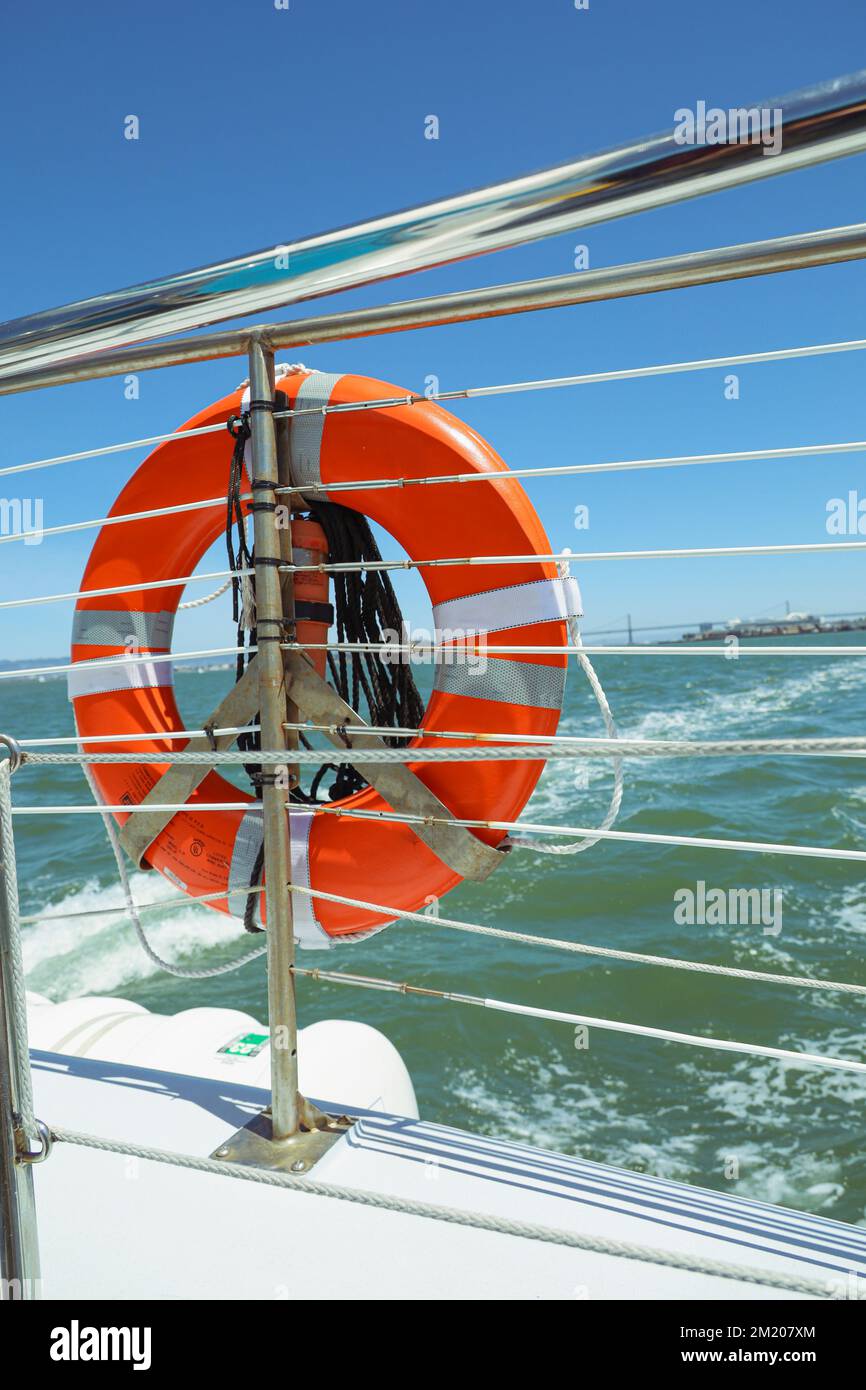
(381, 862)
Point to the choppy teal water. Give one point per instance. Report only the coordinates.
(793, 1135)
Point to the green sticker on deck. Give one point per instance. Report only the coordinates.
(245, 1045)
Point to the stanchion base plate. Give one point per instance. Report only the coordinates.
(254, 1146)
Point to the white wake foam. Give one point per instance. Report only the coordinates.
(71, 954)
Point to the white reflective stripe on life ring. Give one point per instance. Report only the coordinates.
(518, 605)
(307, 930)
(306, 432)
(100, 677)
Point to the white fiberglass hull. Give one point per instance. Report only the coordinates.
(113, 1226)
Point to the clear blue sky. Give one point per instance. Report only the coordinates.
(331, 98)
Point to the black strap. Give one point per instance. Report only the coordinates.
(306, 611)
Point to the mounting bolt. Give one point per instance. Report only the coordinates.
(299, 1166)
(222, 1151)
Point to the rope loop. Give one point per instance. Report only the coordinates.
(16, 756)
(238, 426)
(29, 1157)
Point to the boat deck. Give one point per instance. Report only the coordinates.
(113, 1226)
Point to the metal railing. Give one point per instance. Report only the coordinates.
(111, 334)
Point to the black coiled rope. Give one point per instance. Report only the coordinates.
(241, 558)
(366, 609)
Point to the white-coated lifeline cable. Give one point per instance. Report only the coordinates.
(151, 736)
(478, 646)
(566, 470)
(72, 527)
(179, 583)
(68, 528)
(106, 449)
(536, 557)
(610, 1025)
(580, 948)
(476, 929)
(323, 808)
(103, 663)
(465, 393)
(582, 379)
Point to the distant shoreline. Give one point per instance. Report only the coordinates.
(792, 626)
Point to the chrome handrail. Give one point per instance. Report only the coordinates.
(815, 124)
(828, 246)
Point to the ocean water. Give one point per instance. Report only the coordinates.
(779, 1132)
